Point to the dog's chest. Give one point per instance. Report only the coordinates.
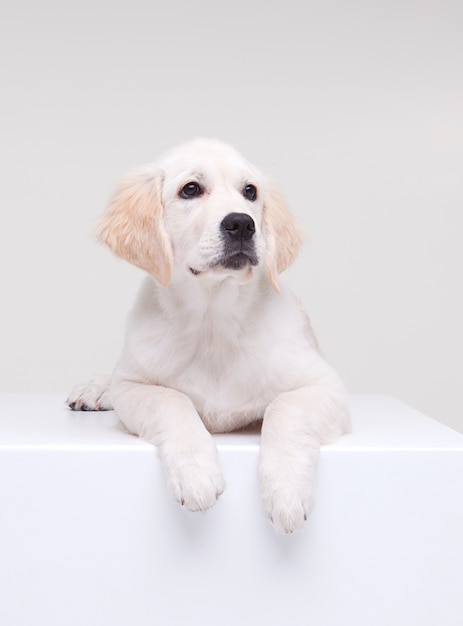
(230, 360)
(231, 372)
(217, 356)
(226, 380)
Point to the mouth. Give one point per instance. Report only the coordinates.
(232, 261)
(237, 261)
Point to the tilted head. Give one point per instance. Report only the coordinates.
(201, 210)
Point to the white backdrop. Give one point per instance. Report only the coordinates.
(354, 107)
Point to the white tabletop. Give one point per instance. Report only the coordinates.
(43, 421)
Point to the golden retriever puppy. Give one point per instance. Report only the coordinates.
(215, 341)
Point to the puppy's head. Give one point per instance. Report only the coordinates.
(201, 211)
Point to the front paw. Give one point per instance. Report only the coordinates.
(92, 396)
(195, 478)
(286, 495)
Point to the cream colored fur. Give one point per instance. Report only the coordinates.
(211, 348)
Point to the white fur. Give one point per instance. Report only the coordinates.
(216, 349)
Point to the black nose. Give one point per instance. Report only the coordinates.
(238, 226)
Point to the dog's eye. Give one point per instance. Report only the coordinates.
(250, 192)
(191, 190)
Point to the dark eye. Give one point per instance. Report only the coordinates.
(191, 190)
(250, 192)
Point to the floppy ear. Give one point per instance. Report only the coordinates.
(282, 234)
(133, 225)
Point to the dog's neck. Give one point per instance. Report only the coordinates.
(212, 297)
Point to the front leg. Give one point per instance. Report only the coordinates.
(168, 419)
(295, 424)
